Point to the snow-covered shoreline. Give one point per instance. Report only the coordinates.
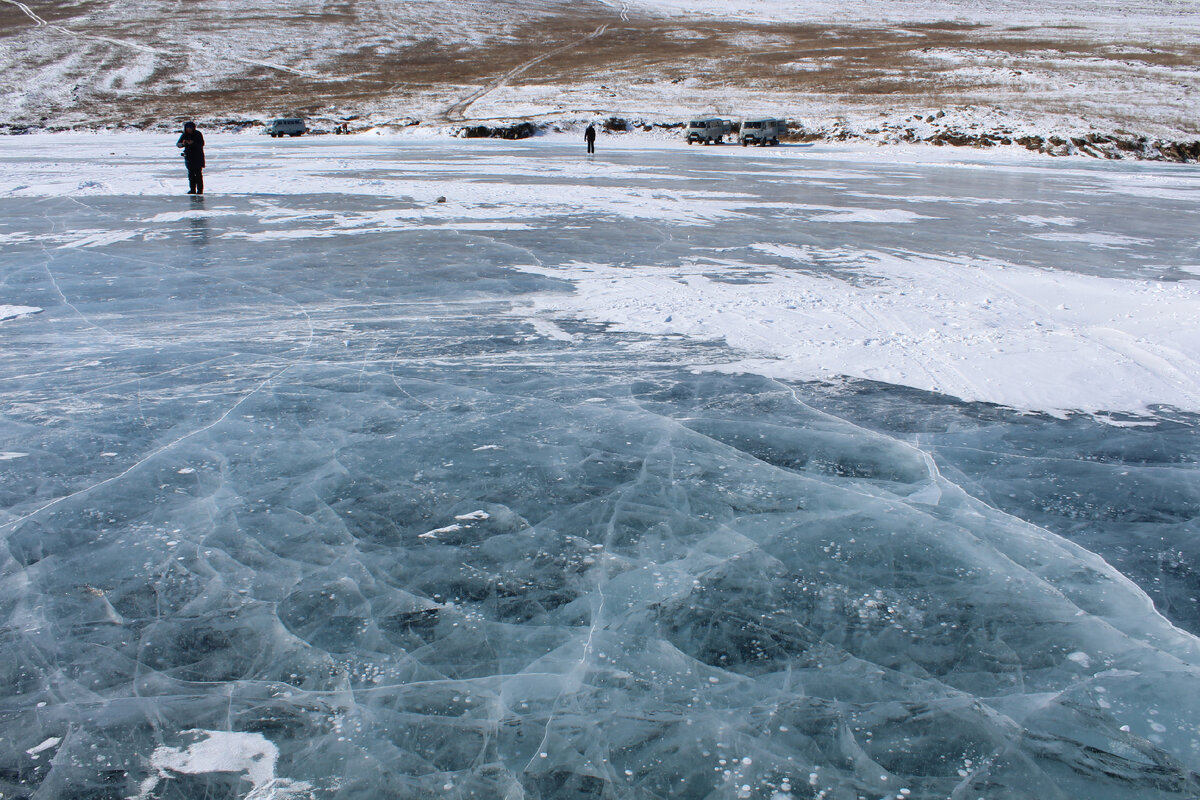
(967, 130)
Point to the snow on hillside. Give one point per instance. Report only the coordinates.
(1119, 18)
(865, 69)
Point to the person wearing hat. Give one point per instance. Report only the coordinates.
(192, 142)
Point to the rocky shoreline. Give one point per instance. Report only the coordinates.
(1113, 146)
(931, 129)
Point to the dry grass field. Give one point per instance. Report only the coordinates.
(102, 64)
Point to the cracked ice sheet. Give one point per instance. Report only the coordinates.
(216, 576)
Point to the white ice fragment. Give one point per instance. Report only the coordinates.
(1080, 658)
(53, 741)
(474, 515)
(486, 447)
(5, 456)
(186, 471)
(433, 534)
(225, 751)
(13, 312)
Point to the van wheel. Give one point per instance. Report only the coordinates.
(744, 142)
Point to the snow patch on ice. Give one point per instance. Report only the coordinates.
(976, 331)
(886, 215)
(1095, 239)
(15, 312)
(251, 754)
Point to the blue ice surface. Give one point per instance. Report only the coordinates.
(251, 474)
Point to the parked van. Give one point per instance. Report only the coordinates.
(707, 131)
(762, 131)
(287, 126)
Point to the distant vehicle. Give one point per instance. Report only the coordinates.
(708, 131)
(762, 131)
(287, 126)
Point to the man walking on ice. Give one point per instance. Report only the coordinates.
(589, 136)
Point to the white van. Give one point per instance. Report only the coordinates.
(762, 131)
(287, 126)
(707, 131)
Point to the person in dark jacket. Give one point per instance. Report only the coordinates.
(589, 136)
(192, 142)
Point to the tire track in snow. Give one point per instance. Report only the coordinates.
(41, 23)
(457, 112)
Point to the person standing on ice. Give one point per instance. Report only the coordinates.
(192, 142)
(589, 136)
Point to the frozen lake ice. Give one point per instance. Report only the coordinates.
(709, 473)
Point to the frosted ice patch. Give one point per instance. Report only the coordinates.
(888, 215)
(9, 456)
(1080, 658)
(474, 515)
(1106, 240)
(1041, 222)
(101, 238)
(196, 213)
(185, 471)
(251, 754)
(14, 312)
